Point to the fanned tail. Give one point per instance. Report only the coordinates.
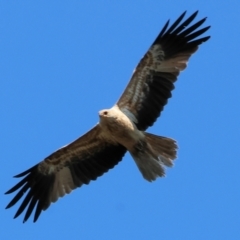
(153, 155)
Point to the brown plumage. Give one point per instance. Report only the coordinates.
(120, 128)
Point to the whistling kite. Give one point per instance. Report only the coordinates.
(121, 128)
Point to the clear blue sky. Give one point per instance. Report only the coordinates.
(63, 61)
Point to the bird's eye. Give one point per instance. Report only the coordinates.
(105, 113)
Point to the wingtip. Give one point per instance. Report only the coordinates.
(183, 14)
(7, 192)
(25, 219)
(196, 12)
(193, 16)
(10, 205)
(19, 175)
(26, 172)
(7, 207)
(207, 38)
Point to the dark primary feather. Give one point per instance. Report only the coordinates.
(37, 186)
(157, 82)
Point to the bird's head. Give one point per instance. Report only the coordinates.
(103, 113)
(107, 114)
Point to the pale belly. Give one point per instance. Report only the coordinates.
(122, 130)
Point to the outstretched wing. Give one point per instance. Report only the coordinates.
(153, 79)
(78, 163)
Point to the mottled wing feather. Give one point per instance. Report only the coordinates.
(78, 163)
(153, 80)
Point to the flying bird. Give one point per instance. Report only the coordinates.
(120, 128)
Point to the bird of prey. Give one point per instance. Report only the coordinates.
(120, 128)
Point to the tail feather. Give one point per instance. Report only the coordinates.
(154, 154)
(165, 148)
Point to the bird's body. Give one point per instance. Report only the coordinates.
(143, 147)
(120, 129)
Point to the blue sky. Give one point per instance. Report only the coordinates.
(63, 61)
